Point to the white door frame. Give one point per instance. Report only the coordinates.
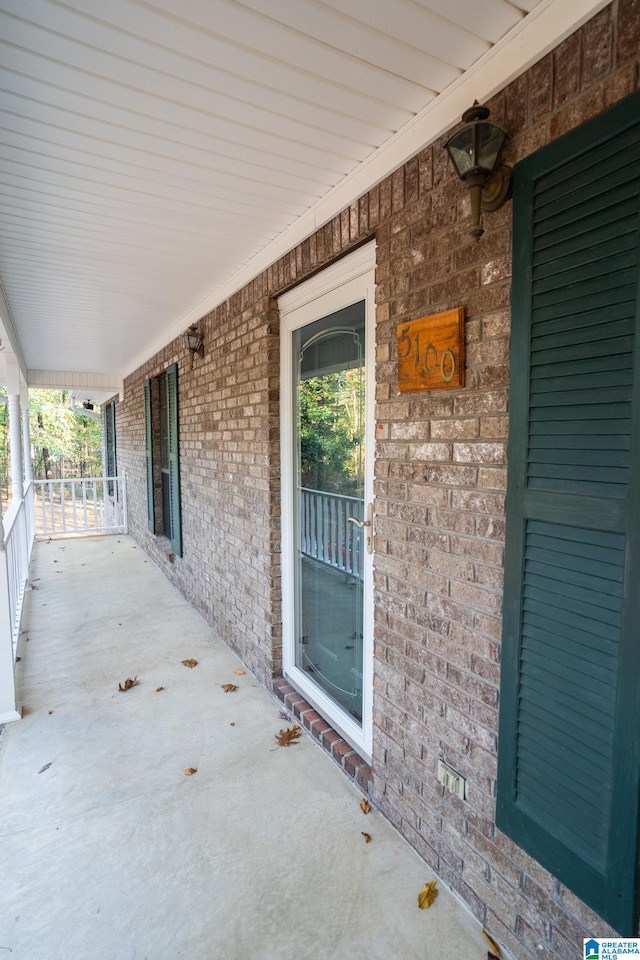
(348, 281)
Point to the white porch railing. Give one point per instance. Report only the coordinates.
(324, 532)
(18, 538)
(85, 505)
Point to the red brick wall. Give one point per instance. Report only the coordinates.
(441, 473)
(440, 481)
(228, 414)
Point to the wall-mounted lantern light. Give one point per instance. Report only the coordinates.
(474, 150)
(193, 340)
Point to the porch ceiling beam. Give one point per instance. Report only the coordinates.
(8, 334)
(100, 383)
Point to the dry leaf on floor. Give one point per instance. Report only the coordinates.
(46, 767)
(495, 949)
(289, 736)
(190, 663)
(367, 837)
(240, 673)
(189, 772)
(365, 806)
(128, 684)
(158, 689)
(228, 687)
(427, 895)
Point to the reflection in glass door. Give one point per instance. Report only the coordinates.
(331, 530)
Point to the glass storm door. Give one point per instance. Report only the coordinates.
(329, 494)
(327, 568)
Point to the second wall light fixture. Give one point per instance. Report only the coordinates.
(475, 149)
(193, 340)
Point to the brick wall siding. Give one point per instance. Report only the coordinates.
(439, 496)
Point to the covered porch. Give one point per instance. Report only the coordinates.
(109, 849)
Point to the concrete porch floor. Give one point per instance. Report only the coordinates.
(112, 853)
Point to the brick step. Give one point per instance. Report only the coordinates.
(350, 761)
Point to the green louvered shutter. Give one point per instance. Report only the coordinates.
(148, 446)
(569, 756)
(174, 458)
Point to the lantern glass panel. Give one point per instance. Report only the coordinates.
(461, 148)
(490, 140)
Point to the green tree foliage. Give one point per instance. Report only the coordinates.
(64, 444)
(331, 432)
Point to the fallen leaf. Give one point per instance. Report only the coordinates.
(46, 767)
(228, 687)
(240, 673)
(289, 736)
(427, 895)
(190, 663)
(494, 946)
(367, 837)
(189, 772)
(128, 684)
(365, 806)
(158, 689)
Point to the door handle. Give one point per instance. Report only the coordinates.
(365, 523)
(359, 523)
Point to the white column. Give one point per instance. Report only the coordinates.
(9, 709)
(26, 433)
(15, 431)
(15, 446)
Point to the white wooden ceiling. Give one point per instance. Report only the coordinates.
(155, 154)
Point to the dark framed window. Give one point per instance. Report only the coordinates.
(109, 426)
(162, 456)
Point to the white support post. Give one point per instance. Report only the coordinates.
(26, 433)
(9, 708)
(15, 431)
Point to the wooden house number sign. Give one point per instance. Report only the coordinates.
(431, 352)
